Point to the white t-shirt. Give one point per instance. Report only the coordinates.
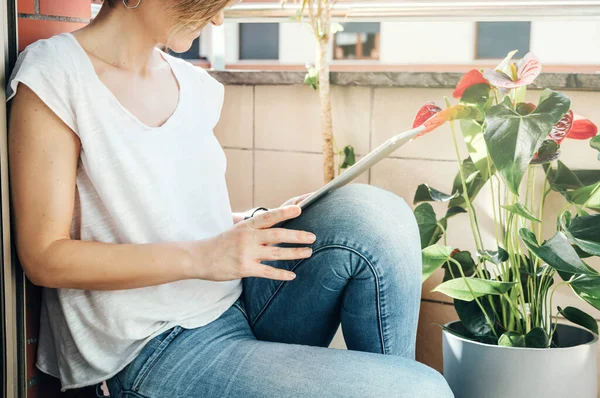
(135, 184)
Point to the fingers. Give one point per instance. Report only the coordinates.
(265, 271)
(282, 235)
(274, 216)
(302, 197)
(272, 253)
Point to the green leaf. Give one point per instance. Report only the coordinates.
(472, 317)
(458, 288)
(580, 318)
(473, 136)
(349, 157)
(312, 77)
(477, 94)
(512, 339)
(494, 256)
(548, 152)
(521, 210)
(513, 139)
(458, 330)
(557, 252)
(474, 182)
(588, 196)
(466, 262)
(563, 178)
(584, 231)
(427, 194)
(454, 211)
(595, 143)
(525, 108)
(429, 230)
(526, 275)
(536, 338)
(587, 287)
(433, 258)
(588, 176)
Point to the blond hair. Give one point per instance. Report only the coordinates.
(189, 14)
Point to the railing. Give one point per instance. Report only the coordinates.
(410, 10)
(480, 10)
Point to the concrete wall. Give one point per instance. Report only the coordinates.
(271, 138)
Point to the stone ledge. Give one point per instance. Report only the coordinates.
(556, 81)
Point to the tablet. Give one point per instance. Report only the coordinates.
(381, 152)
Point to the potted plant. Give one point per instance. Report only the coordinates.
(507, 343)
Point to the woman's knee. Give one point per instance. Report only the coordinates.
(434, 385)
(372, 210)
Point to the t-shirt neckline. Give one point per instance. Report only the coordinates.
(96, 79)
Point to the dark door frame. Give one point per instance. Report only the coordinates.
(12, 360)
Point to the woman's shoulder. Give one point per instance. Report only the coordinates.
(55, 51)
(51, 58)
(47, 67)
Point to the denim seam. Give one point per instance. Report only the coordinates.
(151, 361)
(377, 287)
(239, 307)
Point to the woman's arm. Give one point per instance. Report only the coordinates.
(43, 156)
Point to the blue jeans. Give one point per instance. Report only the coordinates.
(365, 272)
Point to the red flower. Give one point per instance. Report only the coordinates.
(561, 129)
(573, 126)
(432, 117)
(524, 73)
(426, 111)
(582, 129)
(471, 78)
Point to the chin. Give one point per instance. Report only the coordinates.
(182, 43)
(180, 46)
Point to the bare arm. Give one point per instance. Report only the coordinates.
(43, 156)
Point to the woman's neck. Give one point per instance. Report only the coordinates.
(118, 37)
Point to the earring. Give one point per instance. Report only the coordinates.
(125, 3)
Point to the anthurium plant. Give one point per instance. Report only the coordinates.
(503, 294)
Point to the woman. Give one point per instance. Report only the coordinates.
(151, 283)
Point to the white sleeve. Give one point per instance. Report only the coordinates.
(216, 92)
(50, 73)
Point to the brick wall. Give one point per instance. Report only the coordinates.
(40, 19)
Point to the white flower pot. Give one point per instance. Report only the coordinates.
(476, 370)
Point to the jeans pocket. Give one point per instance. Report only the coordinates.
(154, 357)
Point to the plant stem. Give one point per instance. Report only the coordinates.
(551, 333)
(471, 210)
(496, 225)
(487, 318)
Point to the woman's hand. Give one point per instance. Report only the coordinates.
(297, 199)
(236, 253)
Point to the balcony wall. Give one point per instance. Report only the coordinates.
(271, 134)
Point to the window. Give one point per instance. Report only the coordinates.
(192, 53)
(259, 41)
(496, 39)
(358, 40)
